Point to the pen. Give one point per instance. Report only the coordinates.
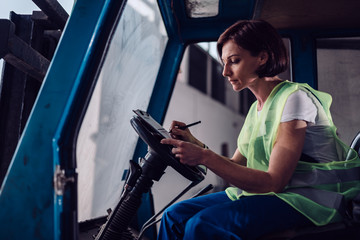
(189, 125)
(186, 126)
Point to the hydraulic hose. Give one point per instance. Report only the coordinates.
(124, 214)
(116, 227)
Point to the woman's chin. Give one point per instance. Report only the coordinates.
(237, 88)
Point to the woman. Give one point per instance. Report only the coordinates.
(288, 159)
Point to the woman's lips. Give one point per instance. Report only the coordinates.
(232, 81)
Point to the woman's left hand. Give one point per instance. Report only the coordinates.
(188, 153)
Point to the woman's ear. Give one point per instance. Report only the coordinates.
(263, 57)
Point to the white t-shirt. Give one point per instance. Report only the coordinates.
(319, 143)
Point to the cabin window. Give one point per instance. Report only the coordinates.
(339, 74)
(107, 141)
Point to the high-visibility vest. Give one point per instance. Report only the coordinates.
(320, 191)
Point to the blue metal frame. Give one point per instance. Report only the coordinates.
(30, 207)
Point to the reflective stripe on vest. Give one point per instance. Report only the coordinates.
(318, 177)
(325, 198)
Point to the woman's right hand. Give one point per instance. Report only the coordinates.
(184, 135)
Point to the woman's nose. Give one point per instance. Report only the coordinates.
(226, 71)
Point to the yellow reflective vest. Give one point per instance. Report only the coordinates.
(320, 191)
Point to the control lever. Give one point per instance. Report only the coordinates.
(134, 173)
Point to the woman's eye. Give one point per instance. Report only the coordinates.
(231, 61)
(235, 60)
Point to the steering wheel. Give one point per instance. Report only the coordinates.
(152, 138)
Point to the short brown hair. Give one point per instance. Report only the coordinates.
(257, 36)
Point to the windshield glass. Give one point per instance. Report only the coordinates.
(106, 140)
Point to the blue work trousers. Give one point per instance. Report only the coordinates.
(215, 216)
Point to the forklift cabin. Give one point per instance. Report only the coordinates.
(71, 159)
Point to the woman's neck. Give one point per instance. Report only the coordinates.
(262, 89)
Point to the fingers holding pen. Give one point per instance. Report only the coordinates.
(179, 130)
(176, 133)
(175, 130)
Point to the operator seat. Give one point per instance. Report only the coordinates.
(355, 144)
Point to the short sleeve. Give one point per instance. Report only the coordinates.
(299, 106)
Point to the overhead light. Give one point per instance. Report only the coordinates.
(202, 8)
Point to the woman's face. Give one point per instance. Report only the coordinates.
(239, 65)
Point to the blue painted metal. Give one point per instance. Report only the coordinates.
(303, 52)
(30, 207)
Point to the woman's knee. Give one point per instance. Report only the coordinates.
(174, 210)
(176, 214)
